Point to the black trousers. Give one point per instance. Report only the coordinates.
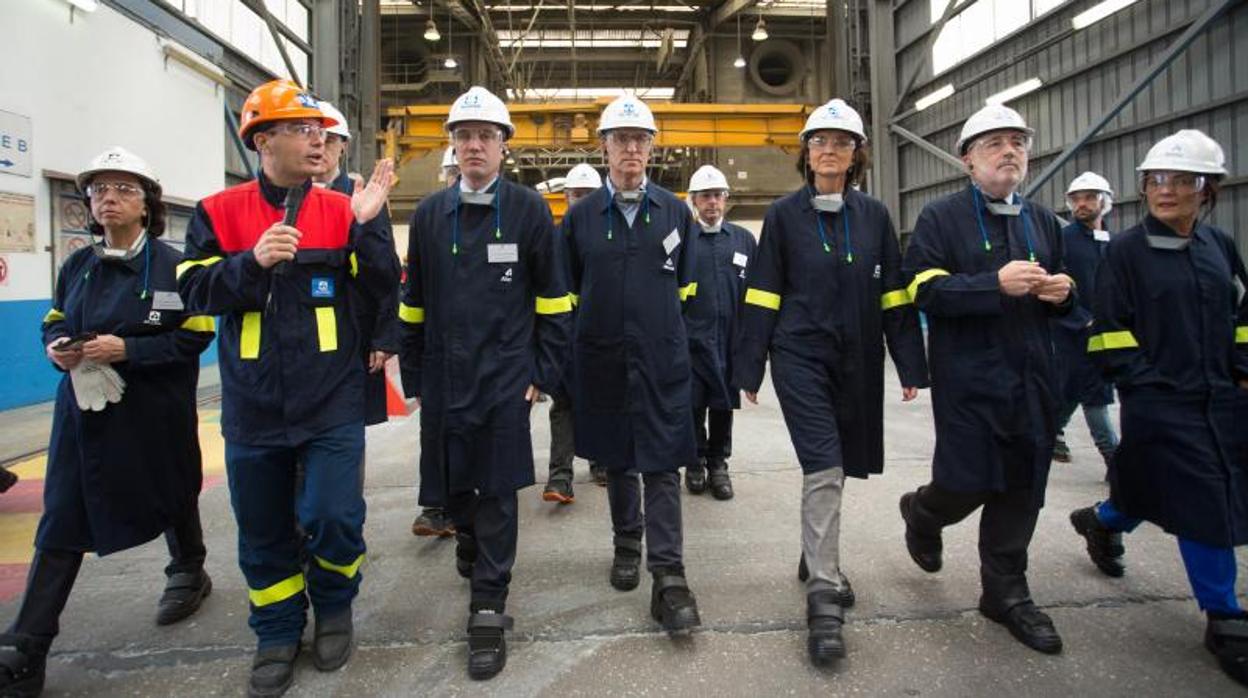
(1006, 525)
(493, 523)
(660, 520)
(185, 540)
(713, 429)
(561, 438)
(51, 578)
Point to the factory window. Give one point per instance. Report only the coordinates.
(978, 24)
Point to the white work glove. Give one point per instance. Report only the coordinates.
(96, 385)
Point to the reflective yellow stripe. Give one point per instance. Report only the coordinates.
(249, 337)
(1241, 334)
(892, 299)
(1122, 339)
(200, 323)
(411, 314)
(348, 571)
(278, 592)
(922, 278)
(689, 290)
(576, 300)
(205, 262)
(53, 315)
(355, 264)
(327, 328)
(763, 299)
(554, 306)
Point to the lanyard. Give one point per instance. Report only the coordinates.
(849, 250)
(645, 213)
(498, 217)
(983, 232)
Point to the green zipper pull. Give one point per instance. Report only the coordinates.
(454, 248)
(1031, 256)
(849, 258)
(826, 248)
(498, 233)
(608, 233)
(987, 246)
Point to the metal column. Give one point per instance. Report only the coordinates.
(370, 94)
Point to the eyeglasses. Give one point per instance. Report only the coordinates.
(487, 136)
(624, 139)
(711, 194)
(302, 129)
(1001, 141)
(1179, 182)
(822, 142)
(122, 188)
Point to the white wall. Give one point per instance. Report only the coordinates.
(98, 81)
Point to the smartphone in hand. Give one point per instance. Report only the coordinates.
(75, 343)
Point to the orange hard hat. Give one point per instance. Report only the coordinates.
(278, 100)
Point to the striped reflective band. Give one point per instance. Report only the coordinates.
(922, 278)
(1241, 334)
(576, 300)
(355, 264)
(200, 323)
(348, 571)
(205, 262)
(249, 337)
(892, 299)
(1122, 339)
(688, 291)
(554, 306)
(327, 328)
(53, 315)
(410, 314)
(277, 593)
(763, 299)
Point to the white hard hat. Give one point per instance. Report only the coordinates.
(118, 159)
(994, 117)
(448, 158)
(834, 115)
(479, 104)
(340, 128)
(1091, 181)
(582, 176)
(1188, 150)
(627, 112)
(707, 178)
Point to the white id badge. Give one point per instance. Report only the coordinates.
(166, 300)
(502, 253)
(739, 259)
(1100, 235)
(671, 242)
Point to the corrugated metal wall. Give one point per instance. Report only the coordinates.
(1083, 73)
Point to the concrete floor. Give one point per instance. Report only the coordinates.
(911, 634)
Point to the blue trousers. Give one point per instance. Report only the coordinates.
(1211, 571)
(1097, 417)
(282, 532)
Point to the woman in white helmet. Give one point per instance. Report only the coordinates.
(123, 459)
(824, 290)
(1171, 330)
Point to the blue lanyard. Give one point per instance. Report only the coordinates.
(849, 250)
(498, 217)
(645, 213)
(983, 232)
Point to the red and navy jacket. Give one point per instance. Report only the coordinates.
(290, 355)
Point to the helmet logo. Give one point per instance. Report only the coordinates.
(471, 101)
(307, 100)
(1175, 149)
(833, 111)
(628, 109)
(111, 158)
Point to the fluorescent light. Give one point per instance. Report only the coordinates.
(85, 5)
(546, 93)
(431, 31)
(1012, 93)
(760, 31)
(739, 63)
(933, 97)
(450, 63)
(1098, 12)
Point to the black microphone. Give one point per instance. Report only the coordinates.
(294, 202)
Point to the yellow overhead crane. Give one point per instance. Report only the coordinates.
(414, 131)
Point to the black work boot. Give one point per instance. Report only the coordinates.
(671, 602)
(433, 522)
(184, 592)
(720, 483)
(1104, 544)
(22, 666)
(465, 553)
(842, 595)
(625, 567)
(1061, 452)
(598, 473)
(8, 478)
(559, 486)
(333, 640)
(272, 671)
(695, 477)
(1227, 638)
(487, 643)
(925, 549)
(1027, 623)
(824, 618)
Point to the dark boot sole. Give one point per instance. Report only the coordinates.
(182, 612)
(485, 673)
(822, 655)
(332, 663)
(929, 567)
(682, 621)
(429, 531)
(1086, 533)
(623, 583)
(1044, 648)
(253, 692)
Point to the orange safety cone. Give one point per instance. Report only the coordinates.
(396, 405)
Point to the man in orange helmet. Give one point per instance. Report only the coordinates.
(282, 263)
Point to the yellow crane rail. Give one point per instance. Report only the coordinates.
(415, 130)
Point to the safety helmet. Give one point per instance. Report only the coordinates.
(340, 128)
(583, 176)
(278, 100)
(1091, 181)
(479, 104)
(707, 178)
(1188, 150)
(626, 111)
(118, 159)
(837, 115)
(994, 117)
(448, 158)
